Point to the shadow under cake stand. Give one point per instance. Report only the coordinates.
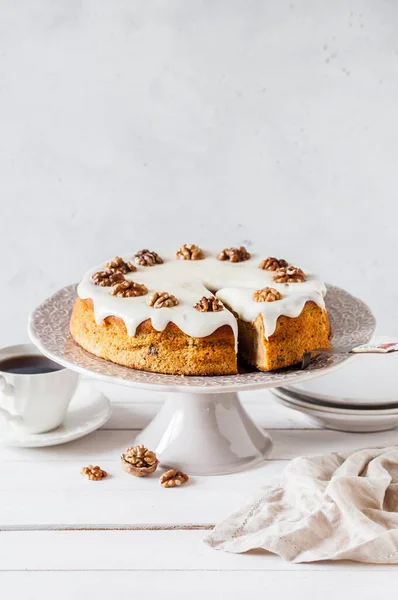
(202, 427)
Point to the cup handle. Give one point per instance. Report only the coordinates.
(6, 389)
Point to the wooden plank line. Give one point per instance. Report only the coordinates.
(134, 551)
(106, 527)
(332, 569)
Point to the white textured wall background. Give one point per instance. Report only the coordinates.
(127, 123)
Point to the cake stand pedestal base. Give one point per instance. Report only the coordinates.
(205, 434)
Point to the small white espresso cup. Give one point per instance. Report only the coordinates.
(34, 403)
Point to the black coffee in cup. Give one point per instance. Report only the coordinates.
(29, 365)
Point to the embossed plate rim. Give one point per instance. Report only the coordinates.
(48, 329)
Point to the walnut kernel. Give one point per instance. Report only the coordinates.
(162, 300)
(211, 304)
(93, 473)
(267, 294)
(118, 265)
(173, 478)
(147, 258)
(289, 275)
(234, 254)
(272, 264)
(129, 289)
(190, 252)
(107, 278)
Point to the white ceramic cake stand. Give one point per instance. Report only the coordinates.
(202, 427)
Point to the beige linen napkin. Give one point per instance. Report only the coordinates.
(333, 507)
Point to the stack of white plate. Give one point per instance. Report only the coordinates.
(360, 396)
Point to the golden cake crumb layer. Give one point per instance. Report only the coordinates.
(168, 351)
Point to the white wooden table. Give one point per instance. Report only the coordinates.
(65, 537)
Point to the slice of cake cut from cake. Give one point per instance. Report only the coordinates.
(286, 346)
(155, 312)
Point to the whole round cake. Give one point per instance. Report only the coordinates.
(193, 312)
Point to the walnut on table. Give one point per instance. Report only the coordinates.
(267, 294)
(94, 473)
(190, 252)
(272, 264)
(173, 478)
(234, 254)
(289, 275)
(162, 300)
(107, 278)
(147, 258)
(139, 461)
(211, 304)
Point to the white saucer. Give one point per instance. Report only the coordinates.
(88, 410)
(355, 420)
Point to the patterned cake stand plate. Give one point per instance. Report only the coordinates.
(202, 427)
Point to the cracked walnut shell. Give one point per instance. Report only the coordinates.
(162, 300)
(147, 258)
(94, 473)
(267, 294)
(211, 304)
(129, 289)
(190, 252)
(139, 461)
(173, 478)
(107, 278)
(118, 265)
(234, 254)
(289, 275)
(272, 264)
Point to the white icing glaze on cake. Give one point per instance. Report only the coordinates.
(232, 283)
